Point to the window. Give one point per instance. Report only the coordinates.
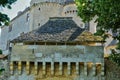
(81, 25)
(39, 9)
(10, 28)
(8, 44)
(27, 18)
(73, 11)
(38, 24)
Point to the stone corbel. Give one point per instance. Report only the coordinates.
(44, 68)
(52, 68)
(28, 67)
(85, 68)
(36, 68)
(19, 67)
(102, 69)
(60, 68)
(11, 67)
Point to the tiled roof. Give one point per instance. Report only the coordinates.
(60, 29)
(88, 36)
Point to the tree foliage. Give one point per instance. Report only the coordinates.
(107, 13)
(115, 57)
(4, 19)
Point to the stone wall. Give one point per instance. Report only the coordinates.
(5, 73)
(112, 71)
(41, 12)
(18, 25)
(57, 53)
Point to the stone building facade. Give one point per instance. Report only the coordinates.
(48, 41)
(58, 50)
(37, 15)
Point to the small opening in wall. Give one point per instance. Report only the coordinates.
(73, 68)
(32, 68)
(56, 66)
(40, 68)
(10, 28)
(38, 24)
(48, 68)
(39, 9)
(81, 25)
(65, 66)
(27, 18)
(98, 69)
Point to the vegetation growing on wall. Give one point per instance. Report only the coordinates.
(1, 70)
(115, 57)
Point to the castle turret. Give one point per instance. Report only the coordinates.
(56, 1)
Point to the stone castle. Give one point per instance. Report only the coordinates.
(37, 15)
(48, 41)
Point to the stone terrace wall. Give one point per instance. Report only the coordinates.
(112, 71)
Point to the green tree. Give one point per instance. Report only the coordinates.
(4, 19)
(107, 14)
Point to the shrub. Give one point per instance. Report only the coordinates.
(115, 57)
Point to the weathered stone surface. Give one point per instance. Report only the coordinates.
(58, 53)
